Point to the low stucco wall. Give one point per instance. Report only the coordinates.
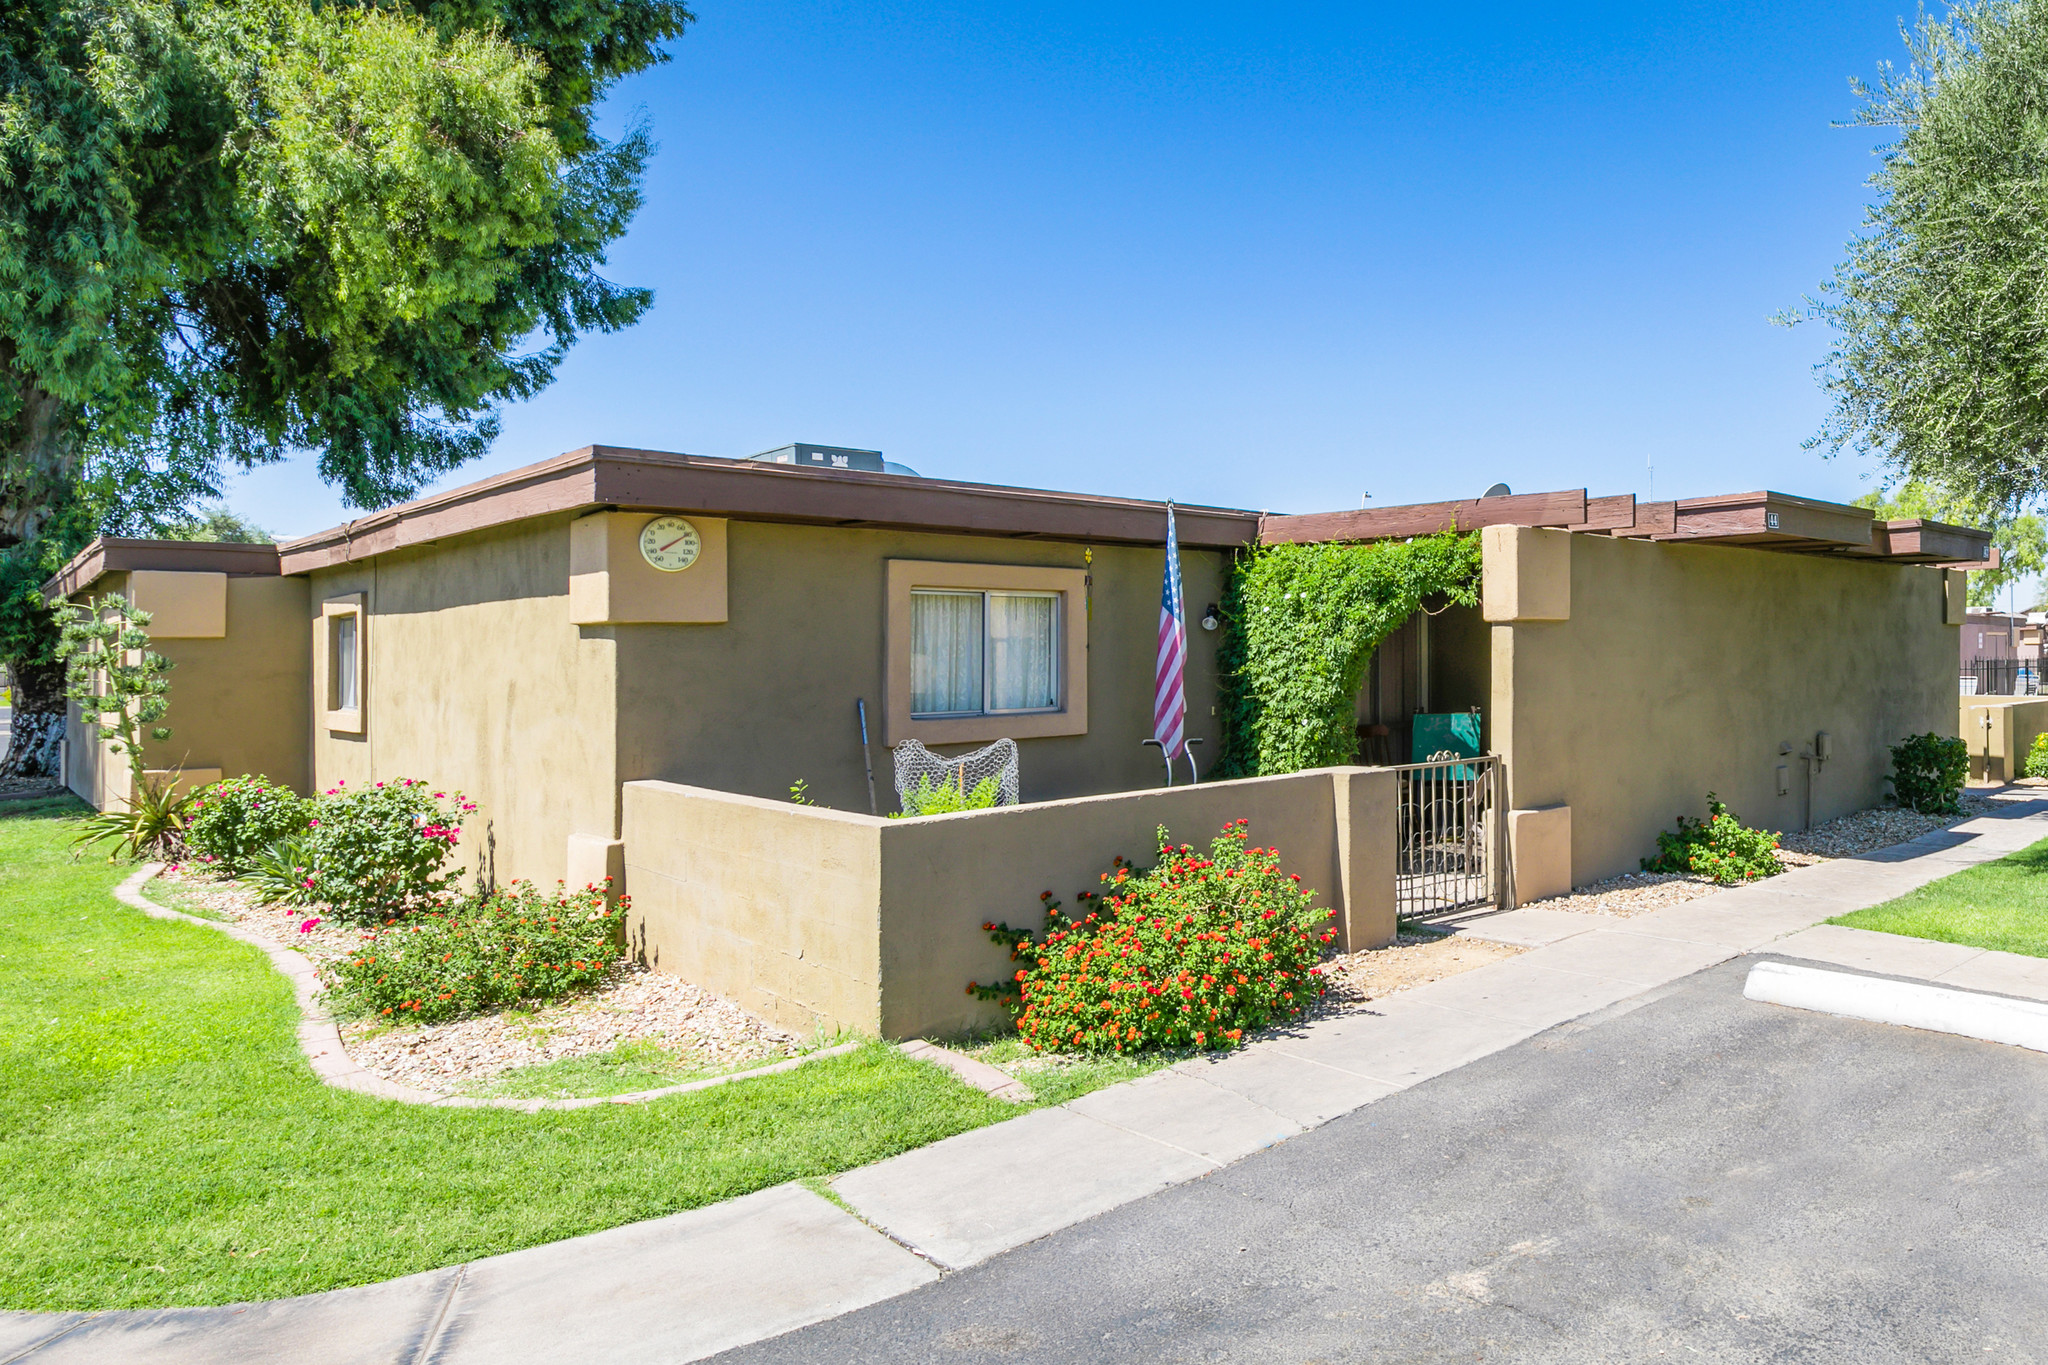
(1999, 731)
(1630, 678)
(814, 917)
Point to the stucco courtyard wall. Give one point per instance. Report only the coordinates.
(1630, 678)
(814, 917)
(1999, 731)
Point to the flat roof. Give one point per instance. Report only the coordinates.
(745, 490)
(116, 555)
(751, 490)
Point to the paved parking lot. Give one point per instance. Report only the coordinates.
(1686, 1175)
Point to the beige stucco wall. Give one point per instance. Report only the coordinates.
(1681, 669)
(768, 697)
(476, 679)
(816, 917)
(1999, 731)
(238, 701)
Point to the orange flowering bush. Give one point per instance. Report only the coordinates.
(516, 944)
(1195, 952)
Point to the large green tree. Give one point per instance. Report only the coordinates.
(231, 230)
(1940, 307)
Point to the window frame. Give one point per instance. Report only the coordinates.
(333, 716)
(1069, 588)
(1058, 600)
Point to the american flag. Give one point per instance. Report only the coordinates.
(1169, 695)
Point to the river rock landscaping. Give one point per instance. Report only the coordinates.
(703, 1031)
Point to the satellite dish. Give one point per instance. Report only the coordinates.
(1499, 490)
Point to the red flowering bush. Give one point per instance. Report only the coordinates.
(1195, 952)
(377, 851)
(517, 944)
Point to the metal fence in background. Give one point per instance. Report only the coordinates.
(1452, 836)
(2001, 678)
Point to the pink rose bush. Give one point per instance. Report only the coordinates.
(378, 852)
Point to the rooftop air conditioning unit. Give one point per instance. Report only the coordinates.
(831, 457)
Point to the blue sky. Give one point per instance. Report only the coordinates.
(1271, 256)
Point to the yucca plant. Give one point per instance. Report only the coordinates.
(150, 824)
(282, 872)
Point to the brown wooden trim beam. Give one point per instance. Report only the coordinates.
(1935, 542)
(117, 555)
(1614, 515)
(1774, 520)
(1652, 519)
(1427, 518)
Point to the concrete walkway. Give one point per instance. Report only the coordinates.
(687, 1286)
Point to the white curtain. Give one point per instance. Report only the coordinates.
(344, 664)
(945, 653)
(1021, 641)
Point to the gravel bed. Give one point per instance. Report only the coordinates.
(633, 1004)
(1635, 893)
(1412, 959)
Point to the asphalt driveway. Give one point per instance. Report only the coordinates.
(1685, 1175)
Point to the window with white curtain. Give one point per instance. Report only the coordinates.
(983, 653)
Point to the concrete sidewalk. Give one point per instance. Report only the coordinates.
(688, 1286)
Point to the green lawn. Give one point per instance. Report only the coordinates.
(2002, 905)
(162, 1140)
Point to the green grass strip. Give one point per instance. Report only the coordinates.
(163, 1141)
(2001, 905)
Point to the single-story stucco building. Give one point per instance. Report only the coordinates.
(627, 658)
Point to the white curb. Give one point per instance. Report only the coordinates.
(1938, 1009)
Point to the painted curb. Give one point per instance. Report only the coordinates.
(320, 1036)
(1938, 1009)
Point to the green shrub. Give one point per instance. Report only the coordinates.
(931, 797)
(1718, 847)
(282, 872)
(231, 820)
(1192, 953)
(149, 824)
(1928, 772)
(485, 953)
(2037, 757)
(377, 852)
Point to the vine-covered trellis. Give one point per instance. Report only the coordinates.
(1300, 625)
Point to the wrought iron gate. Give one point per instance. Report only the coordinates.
(1452, 837)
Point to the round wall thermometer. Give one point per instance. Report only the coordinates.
(670, 544)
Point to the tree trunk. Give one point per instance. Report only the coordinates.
(38, 455)
(38, 469)
(38, 722)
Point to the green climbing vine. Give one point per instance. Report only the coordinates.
(1300, 625)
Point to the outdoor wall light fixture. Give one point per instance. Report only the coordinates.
(1211, 617)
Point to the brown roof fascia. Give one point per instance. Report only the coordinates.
(1773, 521)
(1652, 519)
(1935, 542)
(599, 476)
(112, 554)
(1613, 515)
(1427, 518)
